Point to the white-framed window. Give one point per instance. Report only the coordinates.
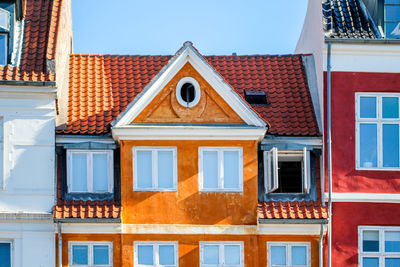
(378, 246)
(288, 254)
(221, 254)
(4, 34)
(377, 131)
(287, 171)
(221, 169)
(162, 253)
(188, 92)
(155, 169)
(90, 171)
(5, 253)
(90, 254)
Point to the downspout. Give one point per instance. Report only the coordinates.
(59, 244)
(329, 125)
(321, 246)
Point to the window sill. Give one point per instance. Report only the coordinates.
(221, 190)
(377, 169)
(155, 190)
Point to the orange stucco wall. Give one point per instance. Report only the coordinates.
(188, 205)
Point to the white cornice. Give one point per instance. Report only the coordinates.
(364, 197)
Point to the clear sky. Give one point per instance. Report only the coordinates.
(160, 27)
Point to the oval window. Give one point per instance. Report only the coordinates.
(188, 92)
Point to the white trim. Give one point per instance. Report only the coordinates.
(89, 168)
(288, 246)
(306, 141)
(221, 253)
(156, 245)
(220, 152)
(90, 245)
(197, 92)
(90, 228)
(154, 151)
(8, 241)
(364, 197)
(63, 139)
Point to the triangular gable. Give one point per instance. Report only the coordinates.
(188, 54)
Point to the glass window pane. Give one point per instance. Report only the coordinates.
(390, 145)
(144, 169)
(79, 172)
(231, 169)
(392, 13)
(211, 254)
(145, 255)
(392, 241)
(165, 169)
(100, 172)
(371, 241)
(299, 255)
(392, 262)
(392, 1)
(166, 255)
(5, 255)
(390, 107)
(392, 30)
(367, 107)
(4, 19)
(210, 169)
(368, 145)
(80, 254)
(232, 254)
(100, 255)
(3, 49)
(278, 255)
(370, 262)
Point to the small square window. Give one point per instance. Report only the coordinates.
(288, 254)
(156, 254)
(90, 254)
(5, 253)
(221, 254)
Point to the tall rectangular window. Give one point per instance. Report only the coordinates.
(156, 254)
(155, 169)
(288, 254)
(90, 254)
(221, 254)
(378, 131)
(5, 254)
(392, 18)
(221, 169)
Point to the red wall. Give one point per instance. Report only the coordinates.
(345, 177)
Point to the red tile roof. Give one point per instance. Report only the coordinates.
(106, 209)
(101, 87)
(292, 210)
(39, 42)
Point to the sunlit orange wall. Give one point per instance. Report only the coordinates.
(188, 205)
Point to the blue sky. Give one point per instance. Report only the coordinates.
(216, 27)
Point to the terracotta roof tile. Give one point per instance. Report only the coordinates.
(292, 210)
(105, 209)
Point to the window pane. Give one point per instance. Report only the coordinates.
(144, 169)
(100, 172)
(390, 145)
(392, 30)
(392, 1)
(166, 254)
(231, 169)
(145, 255)
(4, 19)
(5, 254)
(79, 172)
(79, 254)
(165, 169)
(392, 241)
(367, 107)
(370, 241)
(370, 262)
(368, 145)
(210, 169)
(390, 107)
(278, 255)
(392, 13)
(392, 262)
(232, 254)
(3, 49)
(100, 255)
(211, 255)
(299, 255)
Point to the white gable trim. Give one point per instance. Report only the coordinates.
(188, 54)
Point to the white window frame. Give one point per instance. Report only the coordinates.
(7, 13)
(220, 151)
(271, 160)
(11, 250)
(89, 166)
(381, 254)
(197, 92)
(90, 252)
(155, 245)
(221, 253)
(379, 121)
(154, 166)
(288, 246)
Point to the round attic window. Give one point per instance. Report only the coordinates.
(188, 92)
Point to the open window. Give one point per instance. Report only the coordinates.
(287, 171)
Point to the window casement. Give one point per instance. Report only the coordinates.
(161, 253)
(377, 131)
(287, 171)
(5, 253)
(221, 254)
(188, 92)
(90, 171)
(392, 18)
(378, 246)
(90, 254)
(220, 169)
(5, 25)
(288, 254)
(155, 169)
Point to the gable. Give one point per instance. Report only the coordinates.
(165, 107)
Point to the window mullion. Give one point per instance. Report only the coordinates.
(288, 258)
(156, 257)
(89, 171)
(154, 168)
(220, 169)
(90, 256)
(221, 261)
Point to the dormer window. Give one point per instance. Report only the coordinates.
(392, 18)
(4, 33)
(188, 92)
